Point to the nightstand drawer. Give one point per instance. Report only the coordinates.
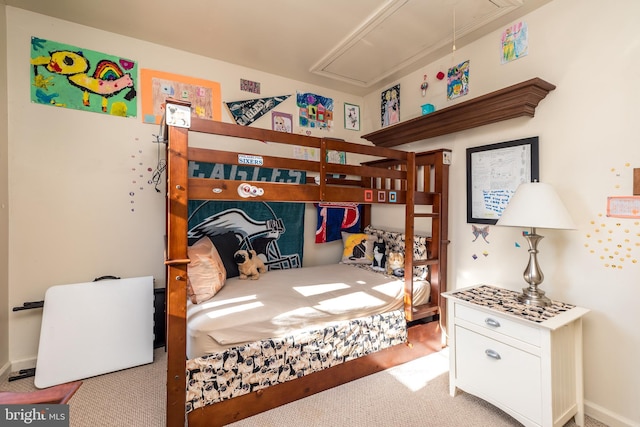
(499, 373)
(501, 324)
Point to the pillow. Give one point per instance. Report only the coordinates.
(357, 248)
(379, 255)
(395, 243)
(227, 244)
(205, 273)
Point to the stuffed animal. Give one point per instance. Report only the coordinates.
(249, 264)
(395, 264)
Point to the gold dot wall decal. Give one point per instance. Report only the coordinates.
(615, 241)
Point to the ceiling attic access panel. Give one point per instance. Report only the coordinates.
(401, 32)
(519, 100)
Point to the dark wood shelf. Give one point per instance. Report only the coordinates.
(514, 101)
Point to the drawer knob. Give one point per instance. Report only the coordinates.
(492, 354)
(492, 322)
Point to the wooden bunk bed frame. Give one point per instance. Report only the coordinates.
(397, 172)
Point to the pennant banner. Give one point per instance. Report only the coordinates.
(248, 111)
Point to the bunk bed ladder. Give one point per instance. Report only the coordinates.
(437, 256)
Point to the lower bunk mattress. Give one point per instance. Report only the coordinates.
(281, 302)
(342, 312)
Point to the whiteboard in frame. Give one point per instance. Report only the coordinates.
(494, 172)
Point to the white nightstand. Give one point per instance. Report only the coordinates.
(523, 359)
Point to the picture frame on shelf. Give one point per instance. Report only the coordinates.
(494, 172)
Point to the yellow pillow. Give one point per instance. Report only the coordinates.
(358, 248)
(205, 273)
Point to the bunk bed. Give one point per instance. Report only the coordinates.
(417, 181)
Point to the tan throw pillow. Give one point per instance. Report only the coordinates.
(205, 273)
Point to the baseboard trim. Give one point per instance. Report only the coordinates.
(4, 371)
(18, 365)
(606, 416)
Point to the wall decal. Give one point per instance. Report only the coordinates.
(480, 232)
(615, 241)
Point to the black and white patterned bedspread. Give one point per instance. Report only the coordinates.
(243, 369)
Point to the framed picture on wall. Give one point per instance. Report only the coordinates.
(351, 116)
(494, 172)
(390, 106)
(281, 122)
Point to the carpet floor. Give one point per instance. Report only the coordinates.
(412, 394)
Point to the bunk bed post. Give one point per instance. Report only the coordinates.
(409, 231)
(176, 261)
(323, 170)
(441, 184)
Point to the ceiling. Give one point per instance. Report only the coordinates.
(354, 46)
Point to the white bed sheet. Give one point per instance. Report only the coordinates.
(284, 301)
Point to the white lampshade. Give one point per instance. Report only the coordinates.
(536, 205)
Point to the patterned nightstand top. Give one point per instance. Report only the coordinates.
(505, 300)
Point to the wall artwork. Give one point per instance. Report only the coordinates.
(250, 86)
(515, 42)
(306, 153)
(458, 80)
(351, 116)
(314, 111)
(157, 86)
(390, 106)
(71, 77)
(338, 157)
(281, 122)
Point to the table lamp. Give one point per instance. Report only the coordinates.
(535, 205)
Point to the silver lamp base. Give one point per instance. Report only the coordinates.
(533, 275)
(533, 296)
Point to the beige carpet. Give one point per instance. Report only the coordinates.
(413, 394)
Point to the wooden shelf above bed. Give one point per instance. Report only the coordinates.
(514, 101)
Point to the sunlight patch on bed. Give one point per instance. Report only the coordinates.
(218, 302)
(417, 373)
(345, 302)
(225, 311)
(311, 290)
(391, 289)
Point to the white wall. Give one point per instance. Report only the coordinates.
(4, 218)
(588, 149)
(71, 173)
